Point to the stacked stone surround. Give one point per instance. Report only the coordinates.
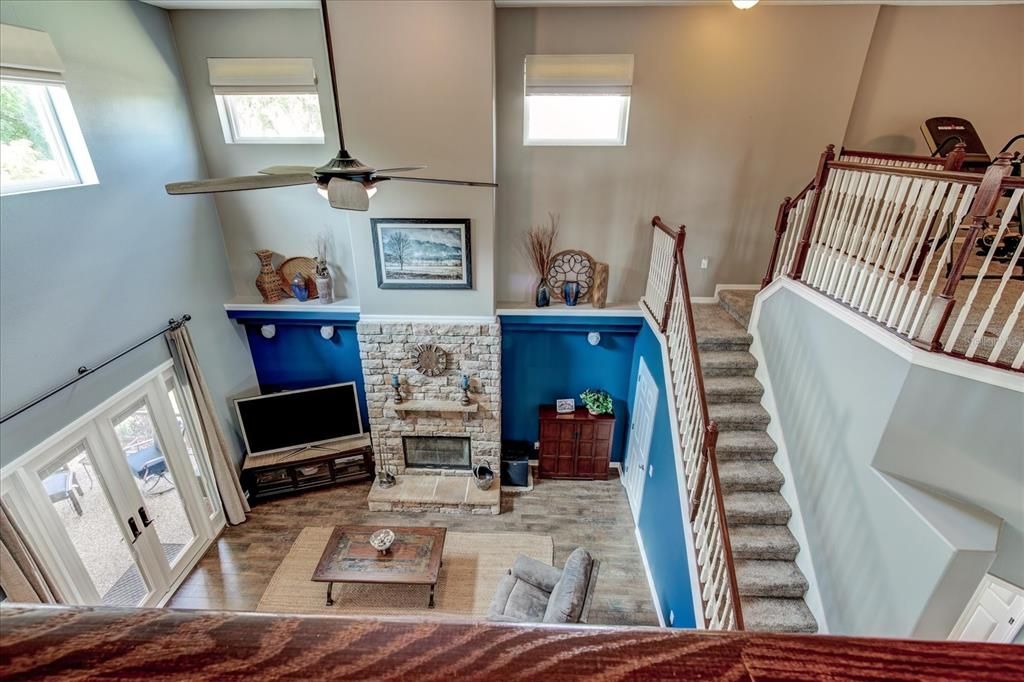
(473, 349)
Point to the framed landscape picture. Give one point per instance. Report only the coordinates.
(422, 253)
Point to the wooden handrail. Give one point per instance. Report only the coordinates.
(707, 464)
(952, 161)
(119, 643)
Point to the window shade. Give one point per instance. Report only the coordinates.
(30, 54)
(578, 74)
(254, 76)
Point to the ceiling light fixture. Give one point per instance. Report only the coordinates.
(743, 4)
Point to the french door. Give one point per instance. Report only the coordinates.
(641, 430)
(120, 504)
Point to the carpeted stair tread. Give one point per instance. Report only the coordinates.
(727, 363)
(751, 475)
(772, 614)
(770, 579)
(739, 303)
(733, 390)
(762, 542)
(739, 416)
(746, 445)
(756, 508)
(717, 330)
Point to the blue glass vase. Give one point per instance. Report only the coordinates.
(299, 289)
(571, 292)
(543, 298)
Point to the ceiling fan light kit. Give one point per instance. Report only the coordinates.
(346, 182)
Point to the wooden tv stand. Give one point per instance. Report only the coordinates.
(316, 466)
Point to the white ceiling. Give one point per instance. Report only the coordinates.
(234, 4)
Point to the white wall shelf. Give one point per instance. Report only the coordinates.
(557, 309)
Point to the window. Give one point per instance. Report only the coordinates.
(41, 145)
(577, 99)
(267, 101)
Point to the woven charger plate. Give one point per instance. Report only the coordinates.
(302, 265)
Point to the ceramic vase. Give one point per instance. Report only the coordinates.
(571, 292)
(268, 282)
(543, 297)
(323, 287)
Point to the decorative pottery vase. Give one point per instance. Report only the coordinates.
(599, 292)
(268, 282)
(299, 289)
(594, 412)
(323, 287)
(543, 298)
(571, 292)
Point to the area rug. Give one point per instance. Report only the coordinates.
(473, 563)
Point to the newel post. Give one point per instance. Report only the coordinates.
(984, 206)
(781, 221)
(955, 159)
(805, 239)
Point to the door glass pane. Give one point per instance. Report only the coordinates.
(72, 485)
(147, 462)
(196, 457)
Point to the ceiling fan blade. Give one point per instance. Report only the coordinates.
(347, 194)
(287, 170)
(403, 169)
(239, 183)
(436, 181)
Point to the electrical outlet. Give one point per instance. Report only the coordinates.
(704, 263)
(536, 445)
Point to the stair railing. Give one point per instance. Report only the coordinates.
(892, 240)
(667, 299)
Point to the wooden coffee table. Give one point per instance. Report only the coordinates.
(413, 559)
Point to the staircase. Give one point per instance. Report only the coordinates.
(770, 584)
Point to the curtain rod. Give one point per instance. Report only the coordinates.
(84, 371)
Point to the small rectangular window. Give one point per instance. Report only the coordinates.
(576, 99)
(284, 118)
(267, 100)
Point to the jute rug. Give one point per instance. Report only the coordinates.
(473, 563)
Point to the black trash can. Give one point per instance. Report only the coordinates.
(515, 462)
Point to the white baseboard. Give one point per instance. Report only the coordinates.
(703, 299)
(650, 578)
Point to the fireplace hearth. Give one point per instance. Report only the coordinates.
(437, 452)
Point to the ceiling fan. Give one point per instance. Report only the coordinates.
(346, 182)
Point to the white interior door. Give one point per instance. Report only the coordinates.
(641, 429)
(994, 614)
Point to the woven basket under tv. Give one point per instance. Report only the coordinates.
(295, 471)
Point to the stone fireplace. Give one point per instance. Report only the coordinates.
(430, 418)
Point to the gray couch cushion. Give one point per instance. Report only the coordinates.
(517, 600)
(566, 601)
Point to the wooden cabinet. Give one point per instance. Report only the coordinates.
(576, 444)
(265, 476)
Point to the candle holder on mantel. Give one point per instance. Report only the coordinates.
(464, 384)
(395, 384)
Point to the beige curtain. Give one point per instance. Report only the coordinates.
(22, 577)
(225, 471)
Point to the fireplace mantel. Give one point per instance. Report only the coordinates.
(435, 406)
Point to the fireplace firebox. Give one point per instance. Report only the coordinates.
(436, 452)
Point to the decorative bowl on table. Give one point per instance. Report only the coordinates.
(382, 539)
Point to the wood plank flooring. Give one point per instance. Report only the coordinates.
(236, 569)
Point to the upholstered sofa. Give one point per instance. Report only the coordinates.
(533, 592)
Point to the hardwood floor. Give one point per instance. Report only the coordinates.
(235, 571)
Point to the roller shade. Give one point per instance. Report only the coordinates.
(29, 54)
(578, 74)
(256, 76)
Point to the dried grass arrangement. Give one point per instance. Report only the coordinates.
(540, 245)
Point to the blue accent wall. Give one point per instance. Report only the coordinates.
(661, 519)
(545, 357)
(298, 357)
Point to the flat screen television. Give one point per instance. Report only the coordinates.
(296, 419)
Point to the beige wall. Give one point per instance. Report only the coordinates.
(941, 61)
(417, 88)
(285, 220)
(729, 113)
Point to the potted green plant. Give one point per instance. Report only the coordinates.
(597, 401)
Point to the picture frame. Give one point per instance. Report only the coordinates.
(422, 253)
(565, 405)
